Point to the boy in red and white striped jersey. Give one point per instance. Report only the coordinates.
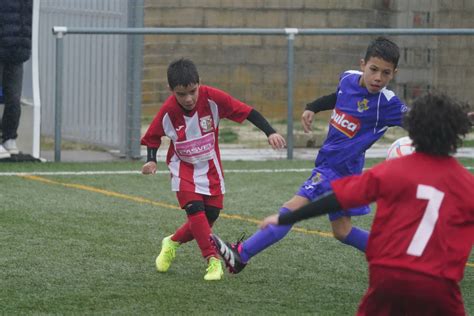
(190, 118)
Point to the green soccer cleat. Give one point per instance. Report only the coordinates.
(214, 270)
(167, 254)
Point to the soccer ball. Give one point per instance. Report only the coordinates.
(401, 147)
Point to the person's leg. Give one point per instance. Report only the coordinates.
(12, 80)
(188, 201)
(200, 228)
(314, 186)
(183, 234)
(238, 254)
(212, 206)
(4, 153)
(266, 237)
(350, 235)
(346, 233)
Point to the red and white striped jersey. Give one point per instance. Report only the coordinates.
(193, 155)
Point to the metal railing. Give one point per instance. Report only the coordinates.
(290, 33)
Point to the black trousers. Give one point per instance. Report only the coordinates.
(11, 81)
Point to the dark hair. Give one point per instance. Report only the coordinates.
(385, 49)
(437, 124)
(182, 72)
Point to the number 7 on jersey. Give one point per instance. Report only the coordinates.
(428, 222)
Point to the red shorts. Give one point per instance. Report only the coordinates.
(185, 197)
(394, 291)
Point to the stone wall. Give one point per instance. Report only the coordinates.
(454, 61)
(253, 68)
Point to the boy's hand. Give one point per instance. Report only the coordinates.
(276, 141)
(149, 168)
(270, 220)
(307, 120)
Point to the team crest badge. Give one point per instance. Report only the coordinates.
(316, 178)
(362, 105)
(206, 123)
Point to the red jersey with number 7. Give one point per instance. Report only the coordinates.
(424, 220)
(193, 155)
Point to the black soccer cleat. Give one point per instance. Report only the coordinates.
(229, 254)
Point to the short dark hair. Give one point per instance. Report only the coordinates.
(436, 123)
(385, 49)
(182, 72)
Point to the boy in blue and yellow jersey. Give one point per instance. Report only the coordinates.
(363, 109)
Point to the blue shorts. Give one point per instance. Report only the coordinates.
(319, 183)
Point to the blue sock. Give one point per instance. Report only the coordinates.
(357, 238)
(264, 238)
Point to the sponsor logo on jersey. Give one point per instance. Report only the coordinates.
(195, 150)
(362, 105)
(206, 123)
(345, 123)
(179, 128)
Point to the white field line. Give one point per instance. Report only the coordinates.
(127, 172)
(89, 173)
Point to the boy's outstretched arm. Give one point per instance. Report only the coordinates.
(325, 204)
(274, 139)
(327, 102)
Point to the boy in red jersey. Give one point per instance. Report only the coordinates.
(423, 230)
(190, 118)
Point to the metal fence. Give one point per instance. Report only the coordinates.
(290, 33)
(97, 71)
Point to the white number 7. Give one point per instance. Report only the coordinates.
(425, 230)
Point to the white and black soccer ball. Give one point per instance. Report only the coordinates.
(401, 147)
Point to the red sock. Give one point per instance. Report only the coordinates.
(201, 230)
(184, 234)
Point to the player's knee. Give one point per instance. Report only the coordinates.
(193, 207)
(212, 213)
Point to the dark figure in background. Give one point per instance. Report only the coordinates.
(15, 49)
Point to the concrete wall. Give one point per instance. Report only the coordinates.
(253, 68)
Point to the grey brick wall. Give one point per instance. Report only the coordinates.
(253, 68)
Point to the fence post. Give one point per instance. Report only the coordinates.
(134, 82)
(58, 100)
(290, 74)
